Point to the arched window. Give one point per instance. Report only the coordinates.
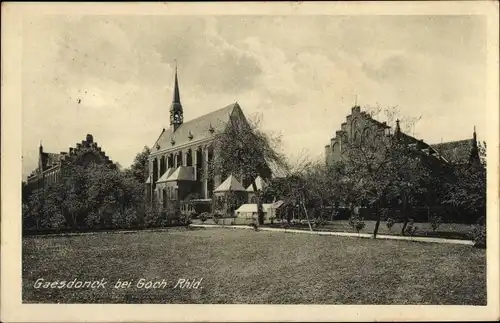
(189, 158)
(170, 161)
(357, 136)
(162, 165)
(155, 170)
(178, 157)
(354, 127)
(366, 135)
(336, 147)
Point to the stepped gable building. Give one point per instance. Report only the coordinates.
(179, 159)
(360, 125)
(52, 166)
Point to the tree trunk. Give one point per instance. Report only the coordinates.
(406, 216)
(307, 216)
(260, 209)
(377, 224)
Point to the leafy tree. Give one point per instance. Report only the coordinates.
(245, 151)
(467, 188)
(139, 168)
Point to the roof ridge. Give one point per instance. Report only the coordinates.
(233, 105)
(452, 141)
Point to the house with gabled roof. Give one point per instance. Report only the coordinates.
(179, 158)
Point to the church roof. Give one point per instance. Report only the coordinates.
(197, 129)
(182, 173)
(259, 182)
(455, 152)
(230, 184)
(166, 175)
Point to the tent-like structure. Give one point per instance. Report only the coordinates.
(260, 183)
(230, 184)
(228, 196)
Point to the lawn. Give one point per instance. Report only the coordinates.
(244, 266)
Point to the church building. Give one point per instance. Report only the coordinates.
(52, 167)
(179, 159)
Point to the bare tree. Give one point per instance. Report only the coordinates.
(375, 168)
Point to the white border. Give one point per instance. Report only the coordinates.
(13, 311)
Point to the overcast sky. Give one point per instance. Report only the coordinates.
(113, 76)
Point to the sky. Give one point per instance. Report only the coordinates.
(112, 76)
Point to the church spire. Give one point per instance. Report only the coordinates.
(474, 152)
(397, 132)
(176, 113)
(177, 96)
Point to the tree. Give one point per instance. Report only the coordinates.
(244, 151)
(375, 169)
(139, 168)
(467, 187)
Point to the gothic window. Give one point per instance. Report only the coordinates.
(155, 170)
(162, 165)
(336, 147)
(366, 135)
(189, 158)
(356, 136)
(170, 161)
(344, 138)
(354, 127)
(178, 159)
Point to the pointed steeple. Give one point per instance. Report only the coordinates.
(397, 132)
(474, 151)
(177, 96)
(176, 113)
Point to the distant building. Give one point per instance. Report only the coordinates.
(248, 212)
(359, 125)
(179, 158)
(52, 167)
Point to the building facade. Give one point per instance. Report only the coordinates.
(180, 157)
(360, 125)
(52, 167)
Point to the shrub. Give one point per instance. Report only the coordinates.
(284, 223)
(203, 217)
(435, 222)
(411, 229)
(272, 219)
(185, 219)
(151, 217)
(119, 220)
(390, 223)
(93, 220)
(478, 233)
(216, 216)
(54, 221)
(356, 223)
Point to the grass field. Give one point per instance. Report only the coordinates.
(244, 266)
